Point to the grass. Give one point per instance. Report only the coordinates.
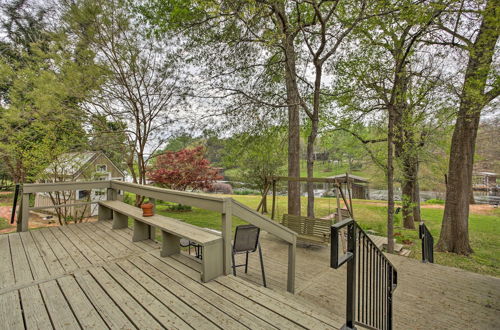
(4, 223)
(484, 229)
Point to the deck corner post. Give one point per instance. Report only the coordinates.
(111, 194)
(24, 214)
(227, 234)
(292, 250)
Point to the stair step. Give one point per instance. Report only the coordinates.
(405, 252)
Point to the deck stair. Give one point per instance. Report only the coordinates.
(381, 243)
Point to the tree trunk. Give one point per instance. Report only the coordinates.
(310, 168)
(410, 169)
(417, 217)
(455, 226)
(293, 102)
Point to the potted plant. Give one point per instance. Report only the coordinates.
(147, 209)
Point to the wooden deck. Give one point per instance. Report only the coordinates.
(90, 276)
(428, 296)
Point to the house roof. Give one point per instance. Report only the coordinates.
(353, 177)
(73, 163)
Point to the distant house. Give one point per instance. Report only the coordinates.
(485, 184)
(78, 166)
(359, 185)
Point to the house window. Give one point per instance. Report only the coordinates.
(101, 168)
(83, 194)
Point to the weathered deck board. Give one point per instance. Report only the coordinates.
(69, 246)
(90, 242)
(62, 255)
(83, 309)
(153, 265)
(109, 311)
(22, 270)
(167, 290)
(36, 315)
(6, 271)
(113, 250)
(11, 316)
(84, 249)
(38, 267)
(48, 256)
(60, 313)
(157, 307)
(134, 311)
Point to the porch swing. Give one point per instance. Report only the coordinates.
(313, 231)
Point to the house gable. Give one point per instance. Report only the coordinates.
(97, 165)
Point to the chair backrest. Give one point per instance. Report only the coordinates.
(246, 238)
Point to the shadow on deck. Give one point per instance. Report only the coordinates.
(90, 276)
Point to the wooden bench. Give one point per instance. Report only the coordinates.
(172, 231)
(310, 230)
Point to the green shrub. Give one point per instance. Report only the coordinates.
(435, 201)
(246, 192)
(179, 208)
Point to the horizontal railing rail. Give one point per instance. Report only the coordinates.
(224, 205)
(371, 277)
(427, 243)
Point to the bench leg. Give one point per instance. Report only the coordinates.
(171, 244)
(119, 220)
(212, 263)
(104, 213)
(141, 231)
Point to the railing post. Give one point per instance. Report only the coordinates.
(111, 194)
(390, 289)
(227, 231)
(24, 214)
(292, 251)
(427, 243)
(105, 213)
(351, 278)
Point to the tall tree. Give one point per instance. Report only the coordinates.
(481, 86)
(257, 157)
(142, 89)
(275, 47)
(43, 82)
(387, 75)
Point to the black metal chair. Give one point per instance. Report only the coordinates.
(198, 249)
(246, 240)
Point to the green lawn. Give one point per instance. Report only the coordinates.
(484, 228)
(4, 223)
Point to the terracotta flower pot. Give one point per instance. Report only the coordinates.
(147, 210)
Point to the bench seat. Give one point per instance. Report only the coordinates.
(310, 230)
(172, 231)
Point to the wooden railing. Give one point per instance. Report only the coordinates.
(226, 206)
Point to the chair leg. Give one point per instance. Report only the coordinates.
(262, 267)
(246, 263)
(234, 264)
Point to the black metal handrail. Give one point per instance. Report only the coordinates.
(427, 243)
(371, 278)
(14, 204)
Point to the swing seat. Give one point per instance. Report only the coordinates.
(310, 230)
